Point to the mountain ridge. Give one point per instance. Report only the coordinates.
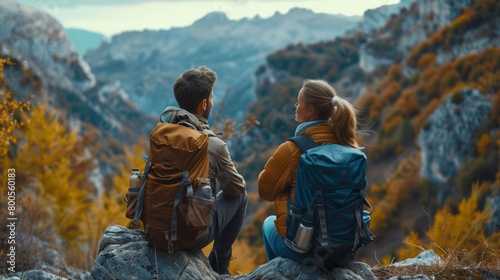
(233, 48)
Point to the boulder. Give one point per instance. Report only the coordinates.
(427, 258)
(125, 254)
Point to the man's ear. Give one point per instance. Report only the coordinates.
(204, 104)
(201, 107)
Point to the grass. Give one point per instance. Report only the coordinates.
(456, 265)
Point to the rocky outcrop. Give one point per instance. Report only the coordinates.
(446, 141)
(38, 41)
(125, 254)
(373, 19)
(48, 67)
(411, 24)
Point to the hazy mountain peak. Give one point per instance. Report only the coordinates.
(298, 10)
(213, 18)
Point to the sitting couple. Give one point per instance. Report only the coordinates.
(323, 116)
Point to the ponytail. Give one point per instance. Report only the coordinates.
(343, 121)
(339, 113)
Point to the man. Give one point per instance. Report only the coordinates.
(193, 91)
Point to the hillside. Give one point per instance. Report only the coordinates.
(84, 40)
(426, 83)
(146, 63)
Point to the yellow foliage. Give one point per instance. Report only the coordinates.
(44, 158)
(379, 217)
(464, 229)
(244, 258)
(461, 233)
(10, 109)
(412, 248)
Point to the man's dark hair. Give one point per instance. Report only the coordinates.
(193, 86)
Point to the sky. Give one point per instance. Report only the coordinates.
(110, 17)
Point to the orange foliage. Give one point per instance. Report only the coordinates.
(406, 106)
(392, 123)
(448, 81)
(389, 94)
(463, 21)
(483, 144)
(421, 119)
(404, 180)
(426, 60)
(495, 110)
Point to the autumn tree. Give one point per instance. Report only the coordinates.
(45, 158)
(460, 236)
(10, 110)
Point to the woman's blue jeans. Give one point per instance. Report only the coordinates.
(275, 244)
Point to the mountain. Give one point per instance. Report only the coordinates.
(426, 85)
(373, 19)
(146, 63)
(84, 40)
(47, 67)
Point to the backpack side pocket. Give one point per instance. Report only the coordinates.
(199, 209)
(131, 200)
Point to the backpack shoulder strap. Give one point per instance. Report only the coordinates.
(140, 196)
(303, 142)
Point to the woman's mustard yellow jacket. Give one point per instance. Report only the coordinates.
(281, 169)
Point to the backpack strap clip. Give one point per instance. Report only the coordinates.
(322, 218)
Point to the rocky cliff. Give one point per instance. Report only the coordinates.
(402, 31)
(48, 67)
(446, 141)
(373, 19)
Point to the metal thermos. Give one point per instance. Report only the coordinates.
(134, 178)
(304, 233)
(206, 189)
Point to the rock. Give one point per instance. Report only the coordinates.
(426, 258)
(416, 277)
(446, 141)
(48, 262)
(125, 254)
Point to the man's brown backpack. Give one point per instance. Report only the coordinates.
(171, 204)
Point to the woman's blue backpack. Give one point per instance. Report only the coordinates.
(329, 189)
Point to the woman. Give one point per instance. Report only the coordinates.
(325, 118)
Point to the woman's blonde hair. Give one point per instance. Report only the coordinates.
(329, 106)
